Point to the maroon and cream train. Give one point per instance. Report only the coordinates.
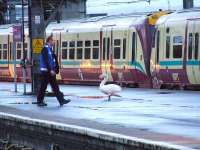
(131, 49)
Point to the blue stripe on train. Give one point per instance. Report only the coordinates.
(179, 63)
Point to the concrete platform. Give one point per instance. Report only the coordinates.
(157, 115)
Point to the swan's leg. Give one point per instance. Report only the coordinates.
(109, 97)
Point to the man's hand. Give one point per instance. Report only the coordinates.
(53, 73)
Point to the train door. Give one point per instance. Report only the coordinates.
(106, 53)
(193, 65)
(57, 49)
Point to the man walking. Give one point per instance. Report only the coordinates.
(48, 69)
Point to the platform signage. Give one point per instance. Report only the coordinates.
(37, 45)
(17, 33)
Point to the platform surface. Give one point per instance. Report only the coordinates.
(158, 115)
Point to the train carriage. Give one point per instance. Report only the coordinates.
(115, 45)
(7, 54)
(175, 60)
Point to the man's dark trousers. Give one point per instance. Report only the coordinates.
(46, 78)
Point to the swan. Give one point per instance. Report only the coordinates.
(109, 89)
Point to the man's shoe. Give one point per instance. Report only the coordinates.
(41, 104)
(64, 101)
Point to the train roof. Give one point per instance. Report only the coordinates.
(96, 23)
(182, 15)
(8, 29)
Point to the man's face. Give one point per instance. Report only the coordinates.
(51, 42)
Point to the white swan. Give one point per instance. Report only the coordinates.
(109, 89)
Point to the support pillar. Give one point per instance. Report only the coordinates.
(36, 30)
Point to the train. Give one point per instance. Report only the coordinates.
(157, 50)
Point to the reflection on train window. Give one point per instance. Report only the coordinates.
(190, 46)
(64, 53)
(168, 46)
(79, 53)
(124, 48)
(79, 43)
(87, 43)
(96, 43)
(177, 51)
(71, 53)
(72, 44)
(196, 53)
(95, 53)
(117, 49)
(64, 44)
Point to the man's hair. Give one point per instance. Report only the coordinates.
(49, 38)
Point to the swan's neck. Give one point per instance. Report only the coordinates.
(103, 82)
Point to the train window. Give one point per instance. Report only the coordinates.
(96, 43)
(64, 53)
(64, 44)
(177, 51)
(5, 54)
(168, 46)
(87, 43)
(190, 46)
(25, 45)
(95, 53)
(71, 53)
(117, 53)
(108, 48)
(19, 45)
(158, 46)
(0, 54)
(25, 53)
(19, 54)
(87, 53)
(117, 49)
(167, 30)
(0, 46)
(133, 46)
(196, 53)
(177, 46)
(72, 44)
(117, 42)
(79, 53)
(124, 48)
(104, 48)
(79, 43)
(5, 46)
